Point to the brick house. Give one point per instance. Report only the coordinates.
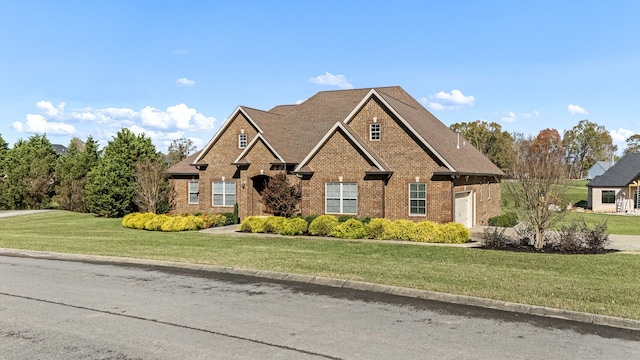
(368, 152)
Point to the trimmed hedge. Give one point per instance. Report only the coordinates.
(153, 222)
(353, 228)
(350, 229)
(323, 225)
(274, 225)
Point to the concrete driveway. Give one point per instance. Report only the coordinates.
(9, 213)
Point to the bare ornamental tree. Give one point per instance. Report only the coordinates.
(541, 182)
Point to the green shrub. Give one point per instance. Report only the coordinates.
(509, 219)
(253, 224)
(182, 223)
(155, 223)
(425, 231)
(350, 229)
(378, 228)
(213, 220)
(309, 218)
(401, 230)
(454, 233)
(343, 218)
(127, 220)
(231, 218)
(274, 224)
(323, 225)
(170, 224)
(294, 226)
(365, 219)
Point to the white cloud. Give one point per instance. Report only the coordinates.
(180, 52)
(49, 109)
(529, 115)
(448, 101)
(577, 110)
(510, 117)
(621, 135)
(185, 82)
(332, 80)
(179, 117)
(162, 126)
(38, 124)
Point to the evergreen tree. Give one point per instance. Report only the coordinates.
(111, 184)
(71, 173)
(28, 180)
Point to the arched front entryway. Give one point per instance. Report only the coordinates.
(258, 184)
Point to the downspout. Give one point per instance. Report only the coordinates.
(383, 203)
(453, 199)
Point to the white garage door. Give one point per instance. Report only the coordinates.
(463, 208)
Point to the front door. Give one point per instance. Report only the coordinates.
(259, 183)
(463, 204)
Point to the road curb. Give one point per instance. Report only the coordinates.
(595, 319)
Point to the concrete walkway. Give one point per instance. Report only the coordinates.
(9, 213)
(618, 242)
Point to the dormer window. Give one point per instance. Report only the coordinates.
(374, 131)
(242, 141)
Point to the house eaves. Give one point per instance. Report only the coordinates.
(372, 93)
(339, 126)
(251, 144)
(223, 128)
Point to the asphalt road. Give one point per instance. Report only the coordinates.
(51, 309)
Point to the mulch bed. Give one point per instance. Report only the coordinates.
(549, 250)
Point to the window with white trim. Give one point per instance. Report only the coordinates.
(194, 191)
(489, 191)
(224, 193)
(341, 198)
(375, 130)
(418, 199)
(242, 141)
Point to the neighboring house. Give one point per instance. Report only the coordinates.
(599, 168)
(60, 150)
(368, 152)
(617, 189)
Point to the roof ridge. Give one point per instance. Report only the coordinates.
(395, 98)
(260, 110)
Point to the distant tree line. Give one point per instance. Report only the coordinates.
(128, 175)
(581, 146)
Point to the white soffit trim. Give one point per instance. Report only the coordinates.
(222, 129)
(325, 138)
(252, 143)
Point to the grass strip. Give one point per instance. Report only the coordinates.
(599, 284)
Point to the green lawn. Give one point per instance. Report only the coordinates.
(601, 284)
(577, 194)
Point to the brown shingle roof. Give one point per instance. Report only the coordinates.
(461, 156)
(294, 130)
(184, 167)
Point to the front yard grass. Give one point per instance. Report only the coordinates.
(600, 284)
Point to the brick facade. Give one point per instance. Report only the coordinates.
(383, 168)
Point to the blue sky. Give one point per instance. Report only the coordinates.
(176, 69)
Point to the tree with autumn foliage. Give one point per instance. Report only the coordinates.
(489, 139)
(281, 197)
